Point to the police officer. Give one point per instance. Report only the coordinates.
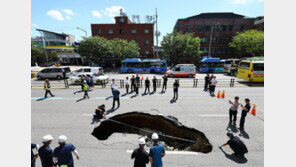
(175, 87)
(238, 146)
(81, 81)
(140, 155)
(154, 83)
(116, 96)
(156, 152)
(207, 82)
(164, 86)
(126, 83)
(65, 79)
(85, 89)
(245, 110)
(100, 112)
(45, 152)
(34, 156)
(47, 88)
(147, 85)
(233, 110)
(63, 153)
(133, 79)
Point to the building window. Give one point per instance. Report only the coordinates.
(213, 50)
(214, 39)
(222, 28)
(204, 40)
(243, 28)
(146, 42)
(230, 28)
(133, 31)
(146, 31)
(221, 39)
(220, 50)
(99, 31)
(110, 31)
(206, 28)
(188, 28)
(205, 50)
(121, 31)
(215, 28)
(121, 20)
(146, 52)
(199, 28)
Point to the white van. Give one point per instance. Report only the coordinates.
(182, 70)
(230, 65)
(86, 70)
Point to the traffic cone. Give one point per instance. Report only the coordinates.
(223, 94)
(218, 95)
(254, 110)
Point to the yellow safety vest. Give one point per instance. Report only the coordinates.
(46, 86)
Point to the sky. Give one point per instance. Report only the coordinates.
(66, 15)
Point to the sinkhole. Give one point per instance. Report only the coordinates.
(171, 132)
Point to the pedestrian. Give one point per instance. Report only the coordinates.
(63, 153)
(156, 152)
(113, 85)
(34, 156)
(100, 112)
(213, 84)
(164, 86)
(45, 152)
(245, 110)
(85, 89)
(65, 79)
(81, 81)
(140, 155)
(175, 87)
(233, 110)
(87, 78)
(137, 85)
(133, 79)
(207, 82)
(92, 84)
(147, 85)
(126, 82)
(154, 83)
(236, 144)
(138, 79)
(47, 88)
(116, 94)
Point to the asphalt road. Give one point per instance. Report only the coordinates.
(195, 108)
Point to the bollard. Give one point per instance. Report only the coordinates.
(141, 83)
(232, 82)
(195, 82)
(158, 83)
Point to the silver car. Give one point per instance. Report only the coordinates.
(53, 72)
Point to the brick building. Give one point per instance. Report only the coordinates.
(224, 27)
(142, 33)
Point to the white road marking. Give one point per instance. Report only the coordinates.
(216, 115)
(172, 152)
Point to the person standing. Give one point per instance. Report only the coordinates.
(47, 88)
(65, 79)
(207, 82)
(156, 152)
(140, 155)
(34, 156)
(133, 79)
(175, 87)
(87, 78)
(233, 110)
(92, 84)
(116, 94)
(245, 110)
(213, 85)
(147, 85)
(81, 81)
(154, 83)
(62, 154)
(85, 89)
(137, 85)
(164, 86)
(138, 79)
(126, 82)
(113, 85)
(45, 152)
(236, 144)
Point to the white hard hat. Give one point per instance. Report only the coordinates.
(62, 139)
(46, 138)
(154, 136)
(142, 141)
(84, 81)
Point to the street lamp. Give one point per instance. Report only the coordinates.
(83, 31)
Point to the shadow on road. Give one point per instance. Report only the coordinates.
(111, 110)
(107, 98)
(240, 160)
(232, 128)
(133, 96)
(244, 134)
(80, 100)
(40, 99)
(173, 101)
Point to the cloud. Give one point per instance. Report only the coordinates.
(68, 11)
(96, 13)
(102, 11)
(35, 25)
(113, 11)
(68, 17)
(239, 2)
(55, 14)
(261, 0)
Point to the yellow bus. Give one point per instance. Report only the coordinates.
(251, 69)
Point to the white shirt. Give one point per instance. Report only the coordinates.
(213, 81)
(234, 108)
(126, 81)
(113, 84)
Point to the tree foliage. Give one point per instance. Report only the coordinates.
(176, 45)
(249, 43)
(123, 49)
(36, 49)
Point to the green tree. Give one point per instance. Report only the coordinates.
(36, 49)
(176, 45)
(121, 48)
(249, 43)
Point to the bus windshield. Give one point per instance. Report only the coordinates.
(258, 66)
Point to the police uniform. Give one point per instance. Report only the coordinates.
(243, 116)
(45, 154)
(47, 89)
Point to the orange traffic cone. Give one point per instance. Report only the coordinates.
(254, 110)
(142, 77)
(218, 95)
(223, 94)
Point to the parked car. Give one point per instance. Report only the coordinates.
(182, 70)
(86, 70)
(53, 72)
(97, 79)
(230, 66)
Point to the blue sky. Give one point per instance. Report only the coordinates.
(66, 15)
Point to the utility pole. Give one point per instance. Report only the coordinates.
(156, 33)
(209, 55)
(83, 31)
